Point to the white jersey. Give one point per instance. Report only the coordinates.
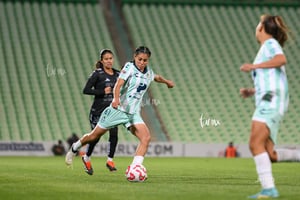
(134, 88)
(270, 82)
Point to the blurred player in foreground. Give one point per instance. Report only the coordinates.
(271, 101)
(100, 84)
(133, 82)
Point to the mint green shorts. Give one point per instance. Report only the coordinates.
(112, 117)
(271, 117)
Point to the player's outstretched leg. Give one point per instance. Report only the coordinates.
(87, 138)
(70, 156)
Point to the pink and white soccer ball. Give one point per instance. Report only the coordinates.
(136, 173)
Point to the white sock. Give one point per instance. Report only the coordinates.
(138, 160)
(288, 155)
(86, 158)
(264, 170)
(76, 146)
(109, 159)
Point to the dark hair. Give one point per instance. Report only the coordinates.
(101, 54)
(275, 26)
(142, 49)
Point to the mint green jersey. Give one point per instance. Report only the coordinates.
(270, 84)
(134, 88)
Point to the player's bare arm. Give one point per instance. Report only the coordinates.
(276, 61)
(116, 100)
(161, 79)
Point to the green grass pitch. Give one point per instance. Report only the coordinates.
(168, 179)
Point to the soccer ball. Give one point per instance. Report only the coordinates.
(136, 173)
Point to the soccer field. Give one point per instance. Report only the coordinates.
(168, 178)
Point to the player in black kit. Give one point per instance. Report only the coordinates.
(100, 84)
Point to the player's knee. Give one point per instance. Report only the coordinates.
(146, 138)
(256, 148)
(252, 146)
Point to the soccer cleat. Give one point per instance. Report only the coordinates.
(265, 194)
(87, 166)
(111, 166)
(69, 157)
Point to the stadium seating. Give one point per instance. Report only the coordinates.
(48, 51)
(201, 48)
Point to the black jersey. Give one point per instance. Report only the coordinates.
(96, 84)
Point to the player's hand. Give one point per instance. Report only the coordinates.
(115, 103)
(247, 92)
(247, 67)
(170, 84)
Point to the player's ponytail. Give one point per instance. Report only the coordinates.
(275, 26)
(282, 35)
(98, 64)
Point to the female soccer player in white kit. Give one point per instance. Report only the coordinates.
(271, 101)
(133, 82)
